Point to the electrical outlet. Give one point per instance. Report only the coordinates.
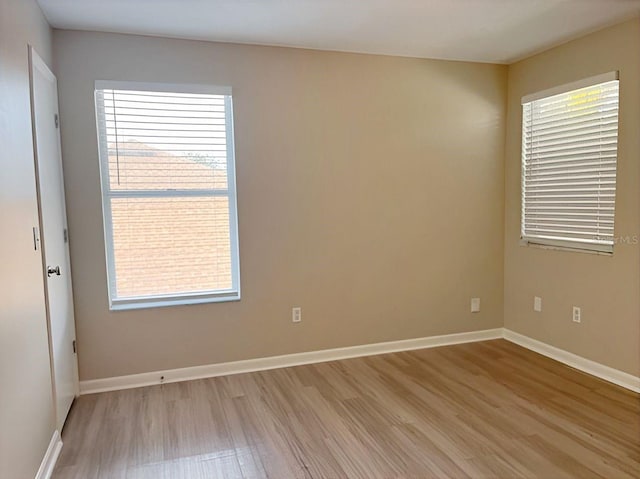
(296, 315)
(475, 305)
(576, 314)
(537, 304)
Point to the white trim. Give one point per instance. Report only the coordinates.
(274, 362)
(191, 88)
(103, 164)
(576, 85)
(145, 302)
(233, 194)
(615, 376)
(39, 63)
(50, 457)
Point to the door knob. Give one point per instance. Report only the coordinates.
(51, 270)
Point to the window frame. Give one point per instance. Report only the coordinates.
(175, 299)
(575, 245)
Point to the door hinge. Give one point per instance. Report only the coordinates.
(55, 117)
(36, 238)
(74, 346)
(66, 235)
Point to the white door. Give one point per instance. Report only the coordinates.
(53, 228)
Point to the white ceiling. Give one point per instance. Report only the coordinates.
(496, 31)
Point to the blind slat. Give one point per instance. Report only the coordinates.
(578, 167)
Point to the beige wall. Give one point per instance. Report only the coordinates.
(26, 404)
(606, 288)
(370, 193)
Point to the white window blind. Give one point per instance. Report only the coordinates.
(168, 191)
(569, 155)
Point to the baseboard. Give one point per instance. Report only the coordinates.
(50, 457)
(601, 371)
(598, 370)
(274, 362)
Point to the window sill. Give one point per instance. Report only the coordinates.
(160, 302)
(576, 249)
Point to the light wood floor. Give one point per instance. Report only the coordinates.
(489, 409)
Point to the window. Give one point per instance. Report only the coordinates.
(168, 193)
(569, 154)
